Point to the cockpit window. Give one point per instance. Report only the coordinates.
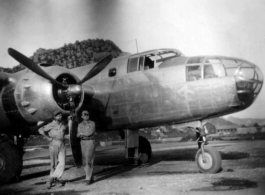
(209, 71)
(201, 67)
(140, 63)
(247, 73)
(152, 59)
(195, 60)
(132, 64)
(148, 63)
(231, 66)
(193, 73)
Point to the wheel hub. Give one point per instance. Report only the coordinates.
(143, 157)
(205, 162)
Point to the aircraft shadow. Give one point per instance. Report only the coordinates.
(28, 190)
(38, 174)
(35, 165)
(234, 155)
(46, 157)
(14, 191)
(106, 173)
(189, 155)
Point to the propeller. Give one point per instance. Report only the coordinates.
(70, 91)
(97, 68)
(32, 66)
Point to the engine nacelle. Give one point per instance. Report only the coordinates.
(37, 98)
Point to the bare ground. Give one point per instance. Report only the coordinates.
(172, 170)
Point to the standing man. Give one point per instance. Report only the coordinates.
(55, 133)
(86, 132)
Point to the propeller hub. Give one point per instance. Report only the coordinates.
(74, 90)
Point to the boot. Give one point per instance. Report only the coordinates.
(62, 182)
(50, 182)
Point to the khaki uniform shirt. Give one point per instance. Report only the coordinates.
(55, 130)
(86, 128)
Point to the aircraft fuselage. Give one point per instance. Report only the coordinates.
(147, 89)
(166, 94)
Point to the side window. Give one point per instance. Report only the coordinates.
(140, 63)
(149, 63)
(194, 73)
(213, 68)
(209, 72)
(112, 72)
(132, 64)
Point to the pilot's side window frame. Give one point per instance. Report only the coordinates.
(141, 63)
(133, 64)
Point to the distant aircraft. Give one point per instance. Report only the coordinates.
(153, 88)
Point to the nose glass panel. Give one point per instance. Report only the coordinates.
(249, 78)
(249, 81)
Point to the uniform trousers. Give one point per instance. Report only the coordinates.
(88, 155)
(57, 155)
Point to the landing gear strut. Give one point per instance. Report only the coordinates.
(207, 158)
(137, 148)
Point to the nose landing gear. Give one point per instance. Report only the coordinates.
(208, 159)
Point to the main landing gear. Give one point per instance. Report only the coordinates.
(138, 151)
(10, 159)
(207, 158)
(137, 148)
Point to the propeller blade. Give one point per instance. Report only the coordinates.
(74, 143)
(97, 68)
(32, 66)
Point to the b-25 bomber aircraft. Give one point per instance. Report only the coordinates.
(152, 88)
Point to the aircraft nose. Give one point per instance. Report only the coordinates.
(249, 81)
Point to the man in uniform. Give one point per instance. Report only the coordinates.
(55, 133)
(86, 132)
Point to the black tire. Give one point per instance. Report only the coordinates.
(145, 150)
(10, 162)
(213, 160)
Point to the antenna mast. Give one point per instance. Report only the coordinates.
(136, 45)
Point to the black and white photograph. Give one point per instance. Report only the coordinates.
(132, 97)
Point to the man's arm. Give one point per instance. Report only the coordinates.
(67, 132)
(45, 134)
(79, 130)
(93, 127)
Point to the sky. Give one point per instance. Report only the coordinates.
(195, 27)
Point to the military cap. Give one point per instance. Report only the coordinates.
(57, 112)
(85, 112)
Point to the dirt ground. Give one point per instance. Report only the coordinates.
(172, 170)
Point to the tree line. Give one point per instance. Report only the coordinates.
(72, 55)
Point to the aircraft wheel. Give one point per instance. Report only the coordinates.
(10, 162)
(145, 150)
(213, 161)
